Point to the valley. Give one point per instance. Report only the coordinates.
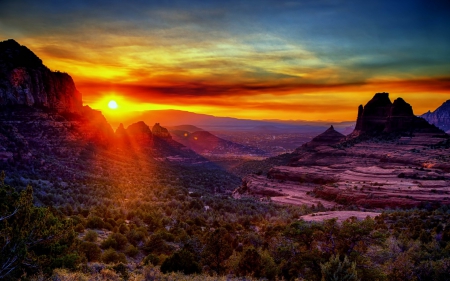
(149, 201)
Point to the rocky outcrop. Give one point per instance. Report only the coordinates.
(24, 80)
(161, 132)
(140, 133)
(381, 115)
(135, 136)
(373, 116)
(329, 137)
(440, 117)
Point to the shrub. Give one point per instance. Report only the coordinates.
(116, 241)
(122, 269)
(131, 251)
(151, 259)
(111, 256)
(91, 251)
(334, 270)
(79, 228)
(183, 261)
(95, 222)
(91, 236)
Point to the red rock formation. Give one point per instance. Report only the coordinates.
(24, 80)
(161, 132)
(136, 136)
(374, 115)
(380, 115)
(329, 137)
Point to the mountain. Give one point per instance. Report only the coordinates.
(440, 117)
(392, 159)
(172, 118)
(329, 137)
(204, 142)
(188, 128)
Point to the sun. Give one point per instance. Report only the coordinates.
(113, 104)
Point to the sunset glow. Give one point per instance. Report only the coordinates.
(291, 60)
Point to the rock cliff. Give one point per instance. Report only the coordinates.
(440, 117)
(24, 80)
(381, 115)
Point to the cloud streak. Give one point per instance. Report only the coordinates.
(262, 57)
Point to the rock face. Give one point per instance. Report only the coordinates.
(374, 114)
(24, 80)
(381, 115)
(161, 132)
(329, 137)
(440, 117)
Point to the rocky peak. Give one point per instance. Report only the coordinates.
(440, 117)
(329, 137)
(380, 115)
(161, 132)
(137, 135)
(401, 108)
(374, 114)
(13, 55)
(139, 128)
(24, 80)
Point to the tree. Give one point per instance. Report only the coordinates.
(335, 270)
(183, 261)
(91, 251)
(218, 249)
(32, 238)
(250, 264)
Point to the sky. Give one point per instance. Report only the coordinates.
(255, 59)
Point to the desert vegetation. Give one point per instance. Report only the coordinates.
(172, 232)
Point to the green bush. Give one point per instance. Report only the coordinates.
(95, 222)
(116, 241)
(90, 250)
(131, 251)
(183, 261)
(91, 236)
(111, 256)
(335, 270)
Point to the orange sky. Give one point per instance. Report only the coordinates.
(272, 61)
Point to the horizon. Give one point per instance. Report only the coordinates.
(304, 61)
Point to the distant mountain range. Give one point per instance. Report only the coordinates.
(172, 118)
(440, 117)
(204, 142)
